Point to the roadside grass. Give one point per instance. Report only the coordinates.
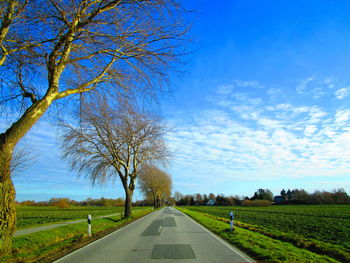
(33, 216)
(257, 245)
(326, 223)
(319, 247)
(49, 245)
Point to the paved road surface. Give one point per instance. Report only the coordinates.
(166, 235)
(46, 227)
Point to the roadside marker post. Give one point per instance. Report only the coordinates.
(89, 225)
(231, 221)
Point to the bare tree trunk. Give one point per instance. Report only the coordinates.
(7, 202)
(8, 141)
(154, 202)
(128, 202)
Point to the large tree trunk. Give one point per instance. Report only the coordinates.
(8, 141)
(128, 202)
(129, 191)
(155, 202)
(7, 203)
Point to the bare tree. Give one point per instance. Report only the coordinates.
(112, 143)
(155, 184)
(22, 158)
(178, 196)
(10, 12)
(53, 49)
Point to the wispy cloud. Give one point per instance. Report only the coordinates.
(342, 93)
(244, 133)
(247, 135)
(303, 85)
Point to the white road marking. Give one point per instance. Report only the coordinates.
(92, 243)
(221, 240)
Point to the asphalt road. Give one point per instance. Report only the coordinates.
(47, 227)
(165, 235)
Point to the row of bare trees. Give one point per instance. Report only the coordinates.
(55, 52)
(113, 142)
(155, 184)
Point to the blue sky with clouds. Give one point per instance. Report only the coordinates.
(264, 103)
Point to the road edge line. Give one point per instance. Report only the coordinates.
(93, 242)
(244, 256)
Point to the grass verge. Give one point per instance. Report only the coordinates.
(257, 245)
(49, 245)
(31, 216)
(316, 246)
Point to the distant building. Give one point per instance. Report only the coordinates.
(278, 199)
(211, 202)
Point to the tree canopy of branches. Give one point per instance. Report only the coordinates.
(53, 49)
(263, 194)
(155, 184)
(111, 143)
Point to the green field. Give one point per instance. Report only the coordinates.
(31, 216)
(48, 245)
(322, 229)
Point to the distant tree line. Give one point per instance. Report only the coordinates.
(203, 199)
(300, 196)
(65, 202)
(264, 197)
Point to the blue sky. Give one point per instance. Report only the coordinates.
(264, 103)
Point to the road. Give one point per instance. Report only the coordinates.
(47, 227)
(166, 235)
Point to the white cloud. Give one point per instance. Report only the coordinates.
(310, 130)
(224, 89)
(263, 141)
(247, 134)
(269, 123)
(249, 84)
(316, 87)
(318, 92)
(274, 93)
(303, 84)
(316, 114)
(342, 116)
(342, 93)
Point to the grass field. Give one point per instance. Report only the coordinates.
(48, 245)
(32, 216)
(323, 230)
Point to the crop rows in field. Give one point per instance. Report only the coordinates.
(265, 245)
(330, 211)
(31, 216)
(329, 224)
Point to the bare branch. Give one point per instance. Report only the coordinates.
(22, 159)
(87, 86)
(112, 141)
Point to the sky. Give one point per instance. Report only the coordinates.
(263, 103)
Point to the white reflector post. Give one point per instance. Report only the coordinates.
(89, 225)
(231, 220)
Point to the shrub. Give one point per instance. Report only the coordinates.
(61, 203)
